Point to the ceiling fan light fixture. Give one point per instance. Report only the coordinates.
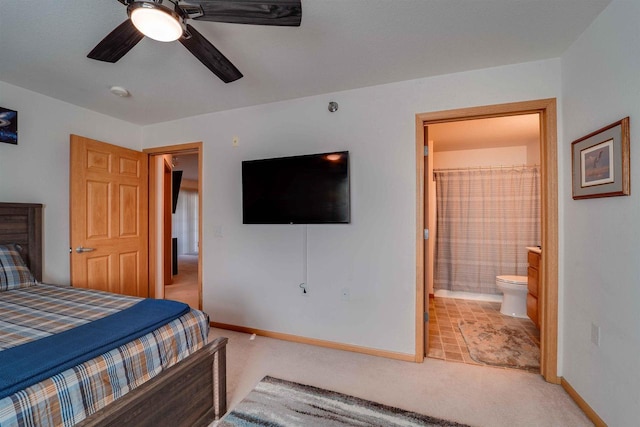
(155, 21)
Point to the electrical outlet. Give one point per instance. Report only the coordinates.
(235, 141)
(595, 334)
(345, 294)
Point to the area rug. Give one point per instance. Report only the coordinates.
(500, 345)
(275, 402)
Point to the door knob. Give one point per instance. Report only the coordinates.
(80, 249)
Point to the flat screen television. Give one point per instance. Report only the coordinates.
(311, 189)
(176, 180)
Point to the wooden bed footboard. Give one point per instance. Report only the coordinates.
(193, 392)
(190, 393)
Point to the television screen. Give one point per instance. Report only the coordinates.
(311, 189)
(176, 180)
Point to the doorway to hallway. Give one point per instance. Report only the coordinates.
(176, 232)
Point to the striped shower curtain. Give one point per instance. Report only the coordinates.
(485, 219)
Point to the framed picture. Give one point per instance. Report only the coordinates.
(8, 126)
(600, 162)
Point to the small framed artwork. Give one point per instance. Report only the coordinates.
(8, 126)
(600, 162)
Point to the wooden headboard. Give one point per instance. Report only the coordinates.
(21, 223)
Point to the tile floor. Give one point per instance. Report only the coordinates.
(446, 341)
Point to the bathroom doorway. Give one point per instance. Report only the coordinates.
(486, 175)
(544, 113)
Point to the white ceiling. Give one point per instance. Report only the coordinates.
(341, 44)
(485, 133)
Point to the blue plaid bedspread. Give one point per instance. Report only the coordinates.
(68, 397)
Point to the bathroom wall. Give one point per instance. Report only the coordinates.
(533, 152)
(481, 157)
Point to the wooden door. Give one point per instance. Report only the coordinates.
(109, 217)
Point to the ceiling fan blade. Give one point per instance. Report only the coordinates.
(211, 57)
(257, 12)
(117, 43)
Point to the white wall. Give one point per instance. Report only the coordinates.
(252, 272)
(601, 85)
(37, 169)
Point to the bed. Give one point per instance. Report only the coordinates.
(180, 381)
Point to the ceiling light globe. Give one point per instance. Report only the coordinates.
(156, 23)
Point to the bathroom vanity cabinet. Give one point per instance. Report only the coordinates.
(533, 285)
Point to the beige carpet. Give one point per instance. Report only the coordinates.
(184, 286)
(500, 345)
(470, 394)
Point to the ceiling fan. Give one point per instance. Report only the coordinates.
(166, 20)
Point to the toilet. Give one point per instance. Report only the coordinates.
(514, 299)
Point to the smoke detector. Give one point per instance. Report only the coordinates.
(119, 91)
